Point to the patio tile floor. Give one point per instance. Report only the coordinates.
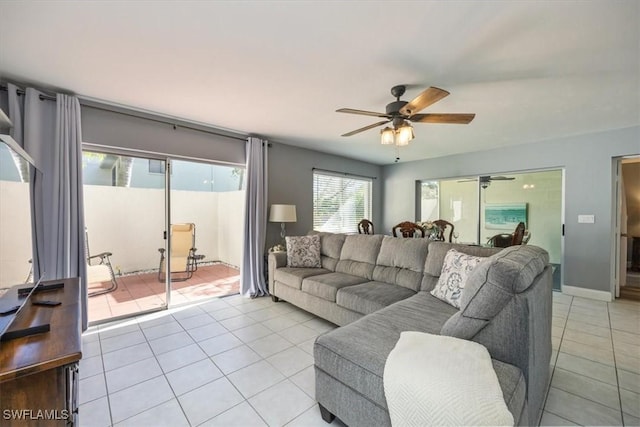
(142, 292)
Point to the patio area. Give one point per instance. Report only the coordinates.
(142, 292)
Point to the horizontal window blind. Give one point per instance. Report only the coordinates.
(340, 202)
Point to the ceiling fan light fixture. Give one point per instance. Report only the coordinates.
(404, 134)
(387, 136)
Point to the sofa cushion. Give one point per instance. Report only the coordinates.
(330, 248)
(492, 285)
(326, 286)
(514, 390)
(456, 269)
(435, 259)
(293, 277)
(303, 251)
(401, 262)
(359, 254)
(355, 354)
(371, 296)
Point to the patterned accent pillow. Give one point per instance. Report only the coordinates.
(456, 269)
(303, 251)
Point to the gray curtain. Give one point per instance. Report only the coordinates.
(51, 133)
(252, 282)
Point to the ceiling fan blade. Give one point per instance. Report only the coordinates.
(353, 132)
(362, 112)
(501, 178)
(426, 98)
(452, 118)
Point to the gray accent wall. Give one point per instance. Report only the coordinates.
(291, 182)
(138, 131)
(588, 164)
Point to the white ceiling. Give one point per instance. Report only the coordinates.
(530, 70)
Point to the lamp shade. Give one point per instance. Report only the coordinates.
(283, 213)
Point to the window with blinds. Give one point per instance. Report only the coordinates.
(340, 202)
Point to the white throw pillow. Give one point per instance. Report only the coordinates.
(456, 269)
(303, 251)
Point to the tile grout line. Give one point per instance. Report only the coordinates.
(146, 340)
(163, 374)
(154, 356)
(104, 373)
(615, 366)
(573, 394)
(210, 357)
(553, 370)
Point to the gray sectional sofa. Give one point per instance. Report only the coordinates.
(377, 286)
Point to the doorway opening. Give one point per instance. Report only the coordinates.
(627, 242)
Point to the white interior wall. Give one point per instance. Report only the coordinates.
(15, 236)
(129, 223)
(230, 226)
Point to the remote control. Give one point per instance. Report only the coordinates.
(47, 303)
(41, 288)
(10, 311)
(32, 330)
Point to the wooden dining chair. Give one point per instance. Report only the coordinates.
(518, 234)
(407, 229)
(505, 240)
(502, 240)
(442, 228)
(365, 227)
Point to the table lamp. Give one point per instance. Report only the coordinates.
(282, 214)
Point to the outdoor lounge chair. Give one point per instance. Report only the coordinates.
(99, 269)
(184, 260)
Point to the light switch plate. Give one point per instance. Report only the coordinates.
(586, 219)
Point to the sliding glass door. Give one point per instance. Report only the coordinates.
(124, 204)
(487, 206)
(455, 200)
(206, 205)
(534, 198)
(160, 232)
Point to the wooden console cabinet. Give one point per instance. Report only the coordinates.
(39, 373)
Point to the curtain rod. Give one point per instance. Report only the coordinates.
(21, 92)
(145, 116)
(343, 173)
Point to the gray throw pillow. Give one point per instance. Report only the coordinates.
(303, 251)
(456, 269)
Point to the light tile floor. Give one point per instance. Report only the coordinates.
(595, 363)
(223, 362)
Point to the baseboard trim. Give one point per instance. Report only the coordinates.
(587, 293)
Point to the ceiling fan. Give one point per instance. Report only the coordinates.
(400, 113)
(485, 181)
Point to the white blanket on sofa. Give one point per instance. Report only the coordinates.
(440, 380)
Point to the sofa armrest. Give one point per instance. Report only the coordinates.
(276, 260)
